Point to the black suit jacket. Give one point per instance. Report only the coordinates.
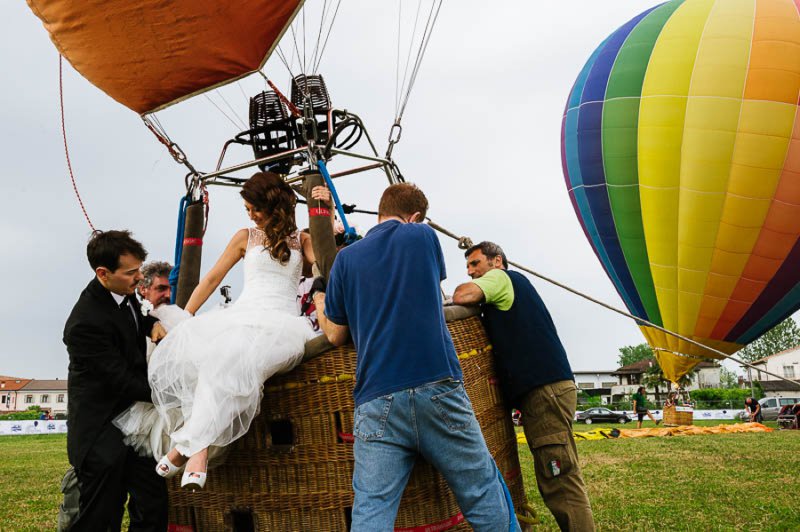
(107, 370)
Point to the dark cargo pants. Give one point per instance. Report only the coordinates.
(547, 413)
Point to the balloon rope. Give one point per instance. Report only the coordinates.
(465, 242)
(66, 146)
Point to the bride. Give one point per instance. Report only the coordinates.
(208, 373)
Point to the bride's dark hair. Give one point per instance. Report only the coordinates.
(270, 195)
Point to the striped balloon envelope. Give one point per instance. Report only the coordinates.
(681, 154)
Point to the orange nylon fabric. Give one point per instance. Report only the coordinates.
(149, 54)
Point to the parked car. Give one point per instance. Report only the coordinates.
(770, 406)
(596, 414)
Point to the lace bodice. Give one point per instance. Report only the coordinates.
(268, 284)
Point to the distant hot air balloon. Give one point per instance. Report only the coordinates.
(681, 153)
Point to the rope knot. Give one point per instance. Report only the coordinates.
(464, 242)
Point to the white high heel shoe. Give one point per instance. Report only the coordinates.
(193, 480)
(165, 468)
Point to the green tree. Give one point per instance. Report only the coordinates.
(654, 378)
(634, 353)
(728, 378)
(781, 337)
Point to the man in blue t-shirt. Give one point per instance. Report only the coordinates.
(384, 290)
(535, 376)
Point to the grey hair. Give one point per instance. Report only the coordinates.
(490, 250)
(154, 269)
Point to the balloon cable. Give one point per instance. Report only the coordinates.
(465, 242)
(66, 146)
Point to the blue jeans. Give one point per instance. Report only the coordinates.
(435, 420)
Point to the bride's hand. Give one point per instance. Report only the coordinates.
(322, 194)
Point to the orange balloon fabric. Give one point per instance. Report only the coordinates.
(149, 54)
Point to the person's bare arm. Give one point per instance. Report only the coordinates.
(337, 334)
(468, 294)
(233, 253)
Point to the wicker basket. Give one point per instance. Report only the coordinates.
(678, 415)
(293, 469)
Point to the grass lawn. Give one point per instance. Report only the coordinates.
(713, 482)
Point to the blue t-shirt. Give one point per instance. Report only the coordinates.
(385, 288)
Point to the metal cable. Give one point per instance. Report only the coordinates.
(466, 241)
(327, 36)
(408, 59)
(426, 38)
(319, 34)
(221, 111)
(397, 62)
(235, 113)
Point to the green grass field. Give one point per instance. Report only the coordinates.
(714, 482)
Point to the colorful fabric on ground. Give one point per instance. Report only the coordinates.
(684, 430)
(681, 154)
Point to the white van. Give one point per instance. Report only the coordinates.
(770, 406)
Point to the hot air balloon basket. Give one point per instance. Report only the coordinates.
(678, 415)
(293, 469)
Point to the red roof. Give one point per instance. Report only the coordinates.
(12, 383)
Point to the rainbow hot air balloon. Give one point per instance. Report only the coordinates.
(681, 153)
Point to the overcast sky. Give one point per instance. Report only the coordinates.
(481, 137)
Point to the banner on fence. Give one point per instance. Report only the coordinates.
(33, 426)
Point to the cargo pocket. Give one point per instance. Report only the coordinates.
(369, 421)
(551, 455)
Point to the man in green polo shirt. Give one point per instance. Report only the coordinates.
(535, 377)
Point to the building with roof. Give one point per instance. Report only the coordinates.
(9, 387)
(50, 395)
(786, 364)
(630, 377)
(595, 384)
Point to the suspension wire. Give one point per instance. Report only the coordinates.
(66, 145)
(246, 98)
(221, 111)
(464, 242)
(408, 59)
(282, 57)
(235, 113)
(296, 47)
(319, 33)
(327, 36)
(426, 39)
(304, 38)
(397, 62)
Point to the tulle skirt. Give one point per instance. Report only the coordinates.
(207, 378)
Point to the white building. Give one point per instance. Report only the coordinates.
(596, 383)
(50, 395)
(9, 393)
(786, 364)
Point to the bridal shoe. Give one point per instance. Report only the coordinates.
(165, 468)
(192, 480)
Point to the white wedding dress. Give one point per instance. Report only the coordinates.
(208, 374)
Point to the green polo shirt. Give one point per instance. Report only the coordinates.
(497, 288)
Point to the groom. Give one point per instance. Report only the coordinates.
(105, 337)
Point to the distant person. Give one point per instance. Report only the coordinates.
(105, 338)
(409, 395)
(753, 409)
(640, 407)
(672, 400)
(535, 376)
